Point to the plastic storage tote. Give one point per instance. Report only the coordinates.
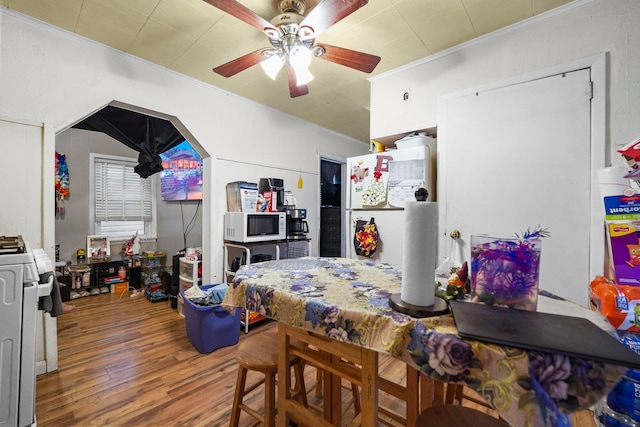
(210, 327)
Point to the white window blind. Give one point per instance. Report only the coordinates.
(120, 194)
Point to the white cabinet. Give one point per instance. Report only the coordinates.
(190, 273)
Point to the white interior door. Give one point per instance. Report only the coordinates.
(520, 156)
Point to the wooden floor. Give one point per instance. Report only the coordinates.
(128, 362)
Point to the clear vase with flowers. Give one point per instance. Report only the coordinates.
(505, 272)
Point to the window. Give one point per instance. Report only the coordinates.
(121, 203)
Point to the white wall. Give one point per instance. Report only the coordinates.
(53, 77)
(582, 29)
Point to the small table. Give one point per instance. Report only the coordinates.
(347, 301)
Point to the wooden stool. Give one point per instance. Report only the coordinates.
(386, 416)
(456, 416)
(259, 352)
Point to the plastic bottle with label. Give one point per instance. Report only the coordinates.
(607, 417)
(621, 407)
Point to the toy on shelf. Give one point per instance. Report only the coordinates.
(132, 246)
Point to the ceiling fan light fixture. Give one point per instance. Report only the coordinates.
(300, 59)
(272, 65)
(303, 76)
(292, 36)
(296, 6)
(317, 51)
(306, 33)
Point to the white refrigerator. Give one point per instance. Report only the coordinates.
(379, 185)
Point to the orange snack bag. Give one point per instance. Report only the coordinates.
(620, 304)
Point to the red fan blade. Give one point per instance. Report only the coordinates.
(232, 68)
(328, 12)
(295, 90)
(238, 10)
(350, 58)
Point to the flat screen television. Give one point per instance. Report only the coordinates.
(181, 178)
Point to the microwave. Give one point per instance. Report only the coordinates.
(248, 227)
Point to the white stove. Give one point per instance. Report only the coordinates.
(25, 276)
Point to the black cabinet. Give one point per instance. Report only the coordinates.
(135, 277)
(102, 270)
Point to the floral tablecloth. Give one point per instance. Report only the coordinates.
(347, 300)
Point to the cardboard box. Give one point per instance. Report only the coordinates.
(118, 288)
(625, 252)
(242, 196)
(270, 201)
(153, 254)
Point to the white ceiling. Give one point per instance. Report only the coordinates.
(192, 37)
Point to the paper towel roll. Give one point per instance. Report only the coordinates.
(419, 253)
(612, 181)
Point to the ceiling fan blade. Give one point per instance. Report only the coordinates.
(238, 10)
(350, 58)
(295, 90)
(232, 68)
(328, 12)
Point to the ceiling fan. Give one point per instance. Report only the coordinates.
(292, 36)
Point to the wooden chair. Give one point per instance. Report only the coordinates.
(437, 393)
(456, 416)
(259, 352)
(434, 392)
(318, 386)
(386, 416)
(339, 361)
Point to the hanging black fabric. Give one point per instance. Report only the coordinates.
(149, 136)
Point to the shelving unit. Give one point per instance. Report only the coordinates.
(103, 270)
(189, 273)
(389, 140)
(88, 276)
(152, 266)
(244, 251)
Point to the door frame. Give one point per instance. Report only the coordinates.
(600, 148)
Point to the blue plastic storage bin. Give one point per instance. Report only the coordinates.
(210, 327)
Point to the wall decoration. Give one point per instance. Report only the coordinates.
(62, 182)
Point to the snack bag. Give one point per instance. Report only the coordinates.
(620, 304)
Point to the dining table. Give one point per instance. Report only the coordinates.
(346, 301)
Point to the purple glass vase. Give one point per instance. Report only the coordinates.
(505, 272)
